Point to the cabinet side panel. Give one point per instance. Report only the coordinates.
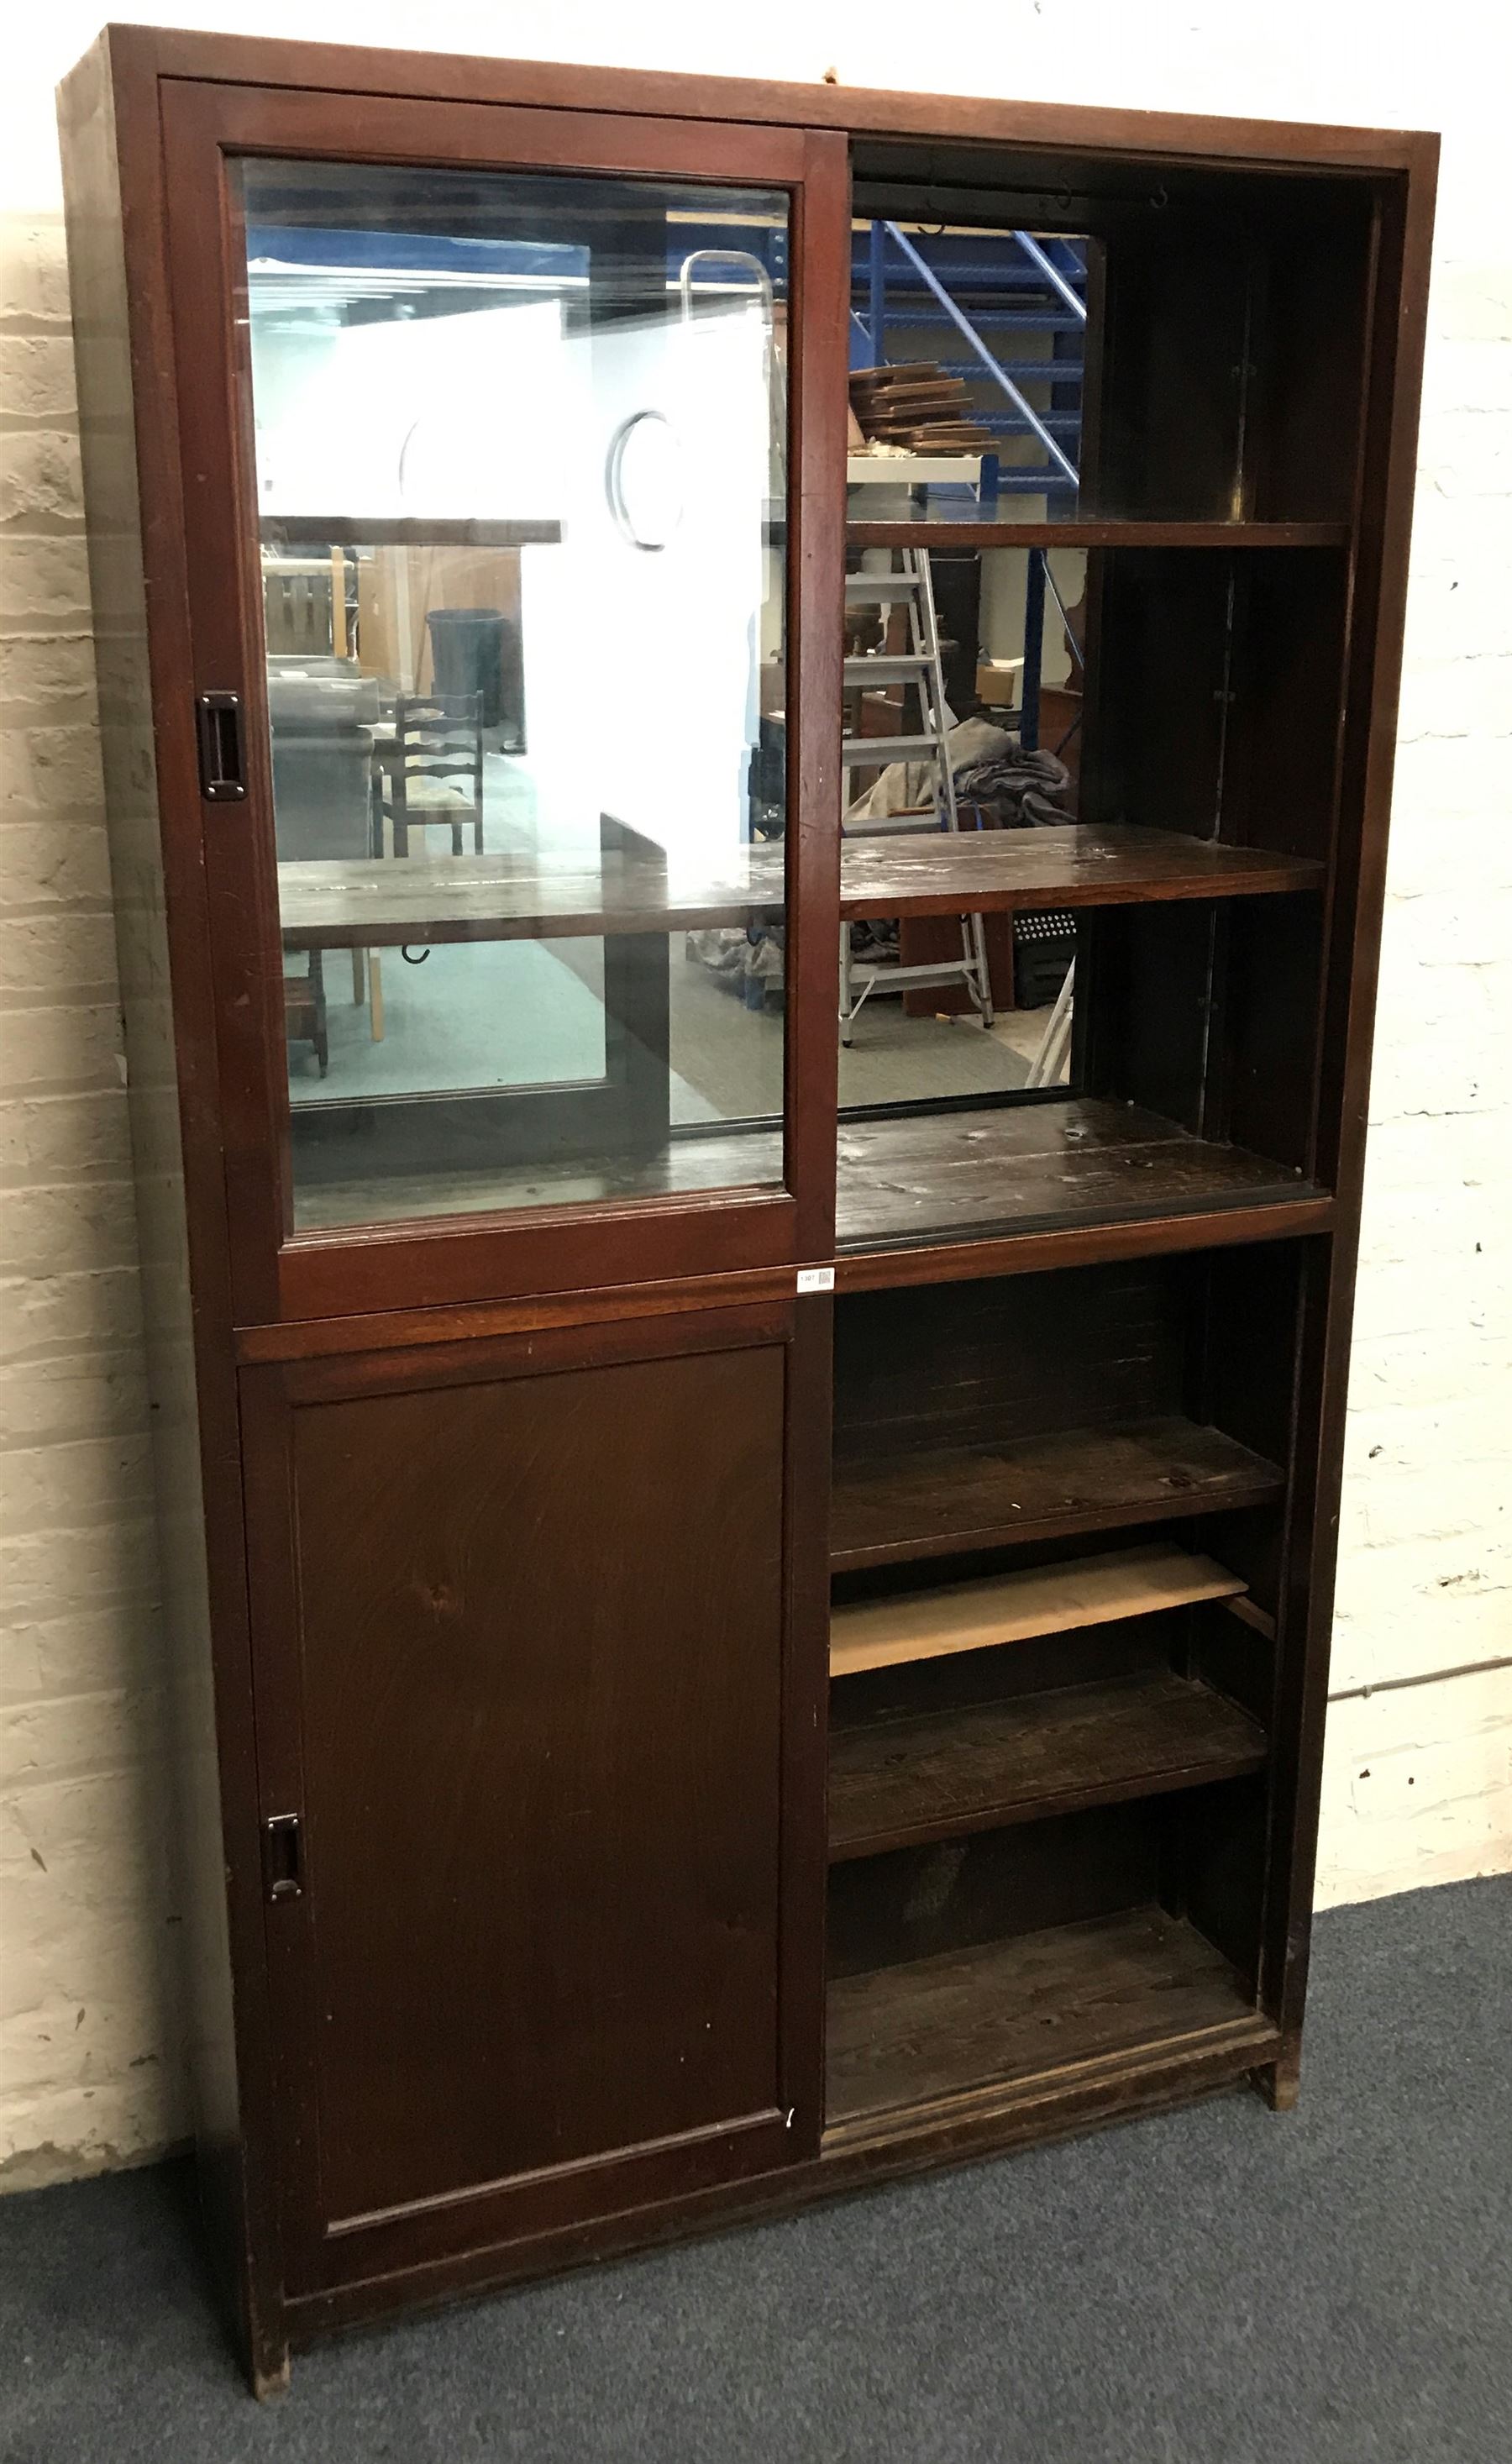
(1386, 495)
(183, 1443)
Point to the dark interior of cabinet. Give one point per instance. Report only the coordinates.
(975, 1966)
(1050, 1847)
(1045, 1381)
(1216, 689)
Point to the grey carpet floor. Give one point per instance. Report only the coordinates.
(1208, 2287)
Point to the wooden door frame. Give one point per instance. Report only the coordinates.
(280, 1274)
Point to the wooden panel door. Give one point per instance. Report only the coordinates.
(522, 1659)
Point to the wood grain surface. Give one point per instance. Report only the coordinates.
(998, 2012)
(503, 897)
(888, 1508)
(1010, 1608)
(896, 1783)
(948, 1174)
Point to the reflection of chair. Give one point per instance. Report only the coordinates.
(304, 1014)
(321, 712)
(435, 770)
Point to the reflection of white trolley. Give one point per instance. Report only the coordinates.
(772, 372)
(919, 666)
(1048, 1065)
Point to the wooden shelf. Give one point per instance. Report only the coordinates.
(381, 901)
(983, 871)
(889, 1510)
(1011, 1608)
(942, 1177)
(913, 1183)
(900, 1782)
(1004, 2013)
(965, 526)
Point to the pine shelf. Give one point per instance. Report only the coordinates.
(1012, 1608)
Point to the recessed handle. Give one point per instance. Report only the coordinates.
(282, 1857)
(223, 747)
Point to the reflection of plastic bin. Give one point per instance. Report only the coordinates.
(476, 650)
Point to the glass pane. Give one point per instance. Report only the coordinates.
(520, 447)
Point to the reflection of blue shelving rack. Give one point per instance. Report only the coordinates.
(999, 290)
(994, 290)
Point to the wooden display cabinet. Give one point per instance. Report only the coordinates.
(733, 1635)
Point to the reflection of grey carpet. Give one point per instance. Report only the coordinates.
(1221, 2286)
(530, 1013)
(470, 1014)
(733, 1057)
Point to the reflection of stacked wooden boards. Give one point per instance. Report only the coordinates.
(918, 407)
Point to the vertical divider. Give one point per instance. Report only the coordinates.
(805, 1724)
(817, 320)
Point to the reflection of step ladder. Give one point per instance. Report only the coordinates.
(919, 666)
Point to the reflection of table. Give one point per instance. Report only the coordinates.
(627, 898)
(516, 898)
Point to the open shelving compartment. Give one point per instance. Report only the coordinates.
(1208, 385)
(1057, 1542)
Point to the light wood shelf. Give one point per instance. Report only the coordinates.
(1011, 1608)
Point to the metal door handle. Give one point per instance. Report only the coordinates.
(223, 747)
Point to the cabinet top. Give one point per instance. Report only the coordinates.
(1211, 142)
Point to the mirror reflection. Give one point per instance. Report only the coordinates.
(520, 450)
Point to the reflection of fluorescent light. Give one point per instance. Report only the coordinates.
(278, 285)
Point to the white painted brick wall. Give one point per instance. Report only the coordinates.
(89, 2066)
(1420, 1785)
